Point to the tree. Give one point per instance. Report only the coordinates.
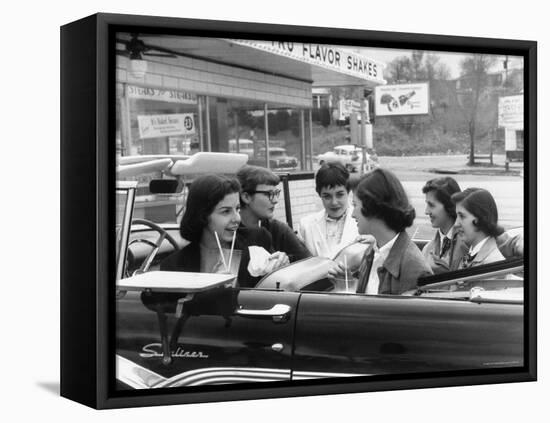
(400, 70)
(419, 67)
(472, 87)
(436, 71)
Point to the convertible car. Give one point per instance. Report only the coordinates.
(296, 323)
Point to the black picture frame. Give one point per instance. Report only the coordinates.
(87, 160)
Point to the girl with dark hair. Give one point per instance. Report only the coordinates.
(382, 209)
(477, 222)
(327, 231)
(445, 251)
(216, 245)
(210, 223)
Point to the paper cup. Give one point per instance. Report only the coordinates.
(340, 284)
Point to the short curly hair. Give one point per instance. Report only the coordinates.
(382, 196)
(443, 188)
(482, 205)
(331, 175)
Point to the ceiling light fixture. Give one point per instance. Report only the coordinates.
(138, 66)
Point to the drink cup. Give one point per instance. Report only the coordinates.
(341, 286)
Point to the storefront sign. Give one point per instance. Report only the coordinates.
(402, 99)
(330, 57)
(153, 126)
(510, 112)
(170, 96)
(347, 107)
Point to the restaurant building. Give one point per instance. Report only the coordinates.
(180, 95)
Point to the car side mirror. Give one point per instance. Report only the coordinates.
(164, 186)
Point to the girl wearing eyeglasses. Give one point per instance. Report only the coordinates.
(259, 196)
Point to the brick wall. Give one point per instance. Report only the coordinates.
(304, 201)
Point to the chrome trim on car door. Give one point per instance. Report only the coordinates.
(134, 375)
(225, 375)
(139, 377)
(321, 375)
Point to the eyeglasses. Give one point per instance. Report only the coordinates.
(272, 195)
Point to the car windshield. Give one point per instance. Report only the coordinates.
(125, 198)
(120, 217)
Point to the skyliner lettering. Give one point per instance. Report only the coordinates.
(155, 350)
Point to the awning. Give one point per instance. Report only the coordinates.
(319, 64)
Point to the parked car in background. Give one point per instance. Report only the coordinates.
(279, 159)
(349, 156)
(246, 146)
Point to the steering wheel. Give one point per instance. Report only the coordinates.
(163, 234)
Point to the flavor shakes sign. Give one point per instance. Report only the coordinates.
(154, 126)
(329, 57)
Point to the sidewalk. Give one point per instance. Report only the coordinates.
(451, 165)
(514, 169)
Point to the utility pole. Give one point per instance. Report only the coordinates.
(506, 69)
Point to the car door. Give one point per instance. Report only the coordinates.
(349, 334)
(238, 336)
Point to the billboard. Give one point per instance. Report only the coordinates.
(510, 112)
(402, 99)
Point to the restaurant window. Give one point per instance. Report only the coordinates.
(159, 121)
(240, 126)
